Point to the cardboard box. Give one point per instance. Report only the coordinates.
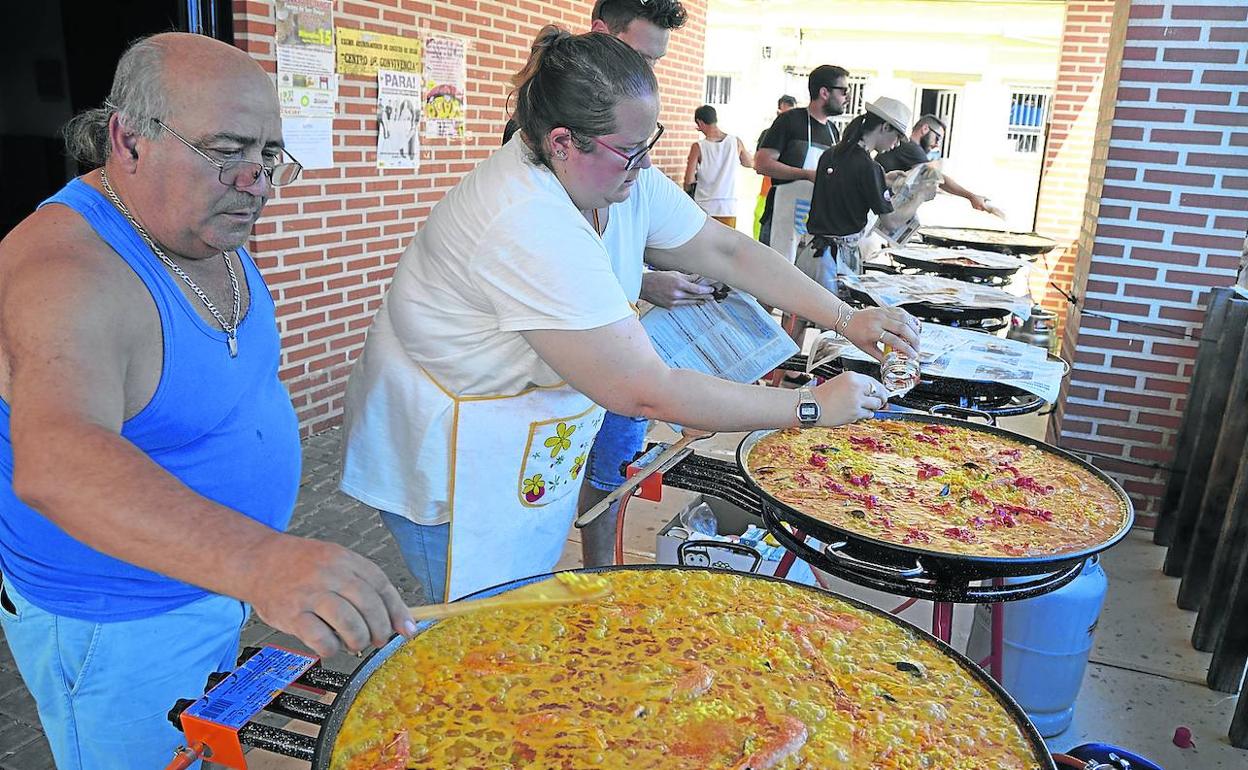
(732, 521)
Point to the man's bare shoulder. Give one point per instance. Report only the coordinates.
(56, 258)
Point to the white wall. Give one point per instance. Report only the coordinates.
(981, 49)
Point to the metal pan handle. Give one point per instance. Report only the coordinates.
(940, 409)
(710, 545)
(834, 551)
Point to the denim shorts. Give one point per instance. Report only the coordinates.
(103, 689)
(619, 440)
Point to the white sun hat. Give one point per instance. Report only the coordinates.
(893, 112)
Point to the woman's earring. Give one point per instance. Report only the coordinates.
(561, 154)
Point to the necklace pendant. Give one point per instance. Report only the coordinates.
(232, 343)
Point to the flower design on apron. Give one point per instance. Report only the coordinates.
(555, 456)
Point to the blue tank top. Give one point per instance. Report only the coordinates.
(224, 426)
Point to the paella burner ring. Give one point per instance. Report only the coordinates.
(914, 581)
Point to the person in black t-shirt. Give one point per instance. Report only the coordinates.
(783, 105)
(784, 150)
(849, 184)
(923, 145)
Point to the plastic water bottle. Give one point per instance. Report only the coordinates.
(1047, 643)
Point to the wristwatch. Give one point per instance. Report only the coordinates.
(807, 407)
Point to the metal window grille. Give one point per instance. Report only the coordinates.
(1028, 114)
(718, 89)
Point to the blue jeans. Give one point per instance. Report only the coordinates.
(104, 689)
(424, 548)
(619, 440)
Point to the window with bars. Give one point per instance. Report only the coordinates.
(1028, 114)
(718, 89)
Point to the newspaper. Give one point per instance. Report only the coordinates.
(965, 355)
(892, 290)
(923, 175)
(733, 338)
(976, 257)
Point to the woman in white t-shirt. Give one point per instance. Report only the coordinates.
(509, 326)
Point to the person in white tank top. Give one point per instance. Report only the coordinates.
(711, 169)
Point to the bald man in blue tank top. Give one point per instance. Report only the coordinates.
(149, 455)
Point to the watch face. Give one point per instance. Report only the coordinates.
(808, 412)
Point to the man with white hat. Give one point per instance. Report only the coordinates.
(849, 184)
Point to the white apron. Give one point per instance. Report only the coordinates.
(516, 469)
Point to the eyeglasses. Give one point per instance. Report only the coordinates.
(241, 174)
(631, 161)
(842, 89)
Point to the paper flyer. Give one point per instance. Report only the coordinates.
(446, 86)
(363, 53)
(311, 140)
(399, 96)
(306, 84)
(733, 339)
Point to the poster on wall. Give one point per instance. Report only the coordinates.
(446, 85)
(306, 84)
(398, 119)
(363, 53)
(307, 87)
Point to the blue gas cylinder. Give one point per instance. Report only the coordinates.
(1047, 643)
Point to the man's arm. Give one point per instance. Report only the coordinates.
(67, 336)
(950, 186)
(767, 162)
(745, 156)
(691, 166)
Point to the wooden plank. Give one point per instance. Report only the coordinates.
(1215, 319)
(1221, 372)
(1230, 565)
(1212, 512)
(1230, 653)
(1239, 725)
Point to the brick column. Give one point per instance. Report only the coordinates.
(1170, 190)
(1068, 154)
(328, 244)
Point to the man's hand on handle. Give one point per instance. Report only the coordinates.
(327, 596)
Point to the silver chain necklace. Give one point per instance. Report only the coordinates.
(231, 328)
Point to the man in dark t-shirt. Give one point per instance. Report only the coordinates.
(782, 154)
(922, 146)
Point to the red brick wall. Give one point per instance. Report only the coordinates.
(1170, 224)
(1068, 155)
(328, 244)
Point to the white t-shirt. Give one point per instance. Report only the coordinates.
(716, 176)
(506, 251)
